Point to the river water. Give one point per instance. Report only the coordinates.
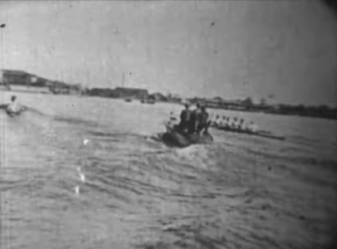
(87, 175)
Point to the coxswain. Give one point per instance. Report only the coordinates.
(203, 120)
(185, 117)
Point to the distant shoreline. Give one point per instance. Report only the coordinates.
(270, 111)
(15, 80)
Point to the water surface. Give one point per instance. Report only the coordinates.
(86, 174)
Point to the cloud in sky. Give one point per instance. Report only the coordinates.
(222, 48)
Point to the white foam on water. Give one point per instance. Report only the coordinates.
(85, 141)
(77, 190)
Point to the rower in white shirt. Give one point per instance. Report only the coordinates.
(13, 108)
(252, 127)
(216, 121)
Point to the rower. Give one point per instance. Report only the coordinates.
(224, 122)
(252, 127)
(228, 123)
(233, 124)
(172, 120)
(241, 125)
(13, 108)
(220, 123)
(216, 121)
(228, 120)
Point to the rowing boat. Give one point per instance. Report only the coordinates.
(265, 134)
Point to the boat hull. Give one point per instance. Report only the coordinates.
(178, 139)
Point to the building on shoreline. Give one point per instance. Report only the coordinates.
(159, 97)
(119, 92)
(20, 81)
(137, 93)
(101, 92)
(22, 78)
(57, 87)
(15, 77)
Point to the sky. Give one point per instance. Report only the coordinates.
(283, 51)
